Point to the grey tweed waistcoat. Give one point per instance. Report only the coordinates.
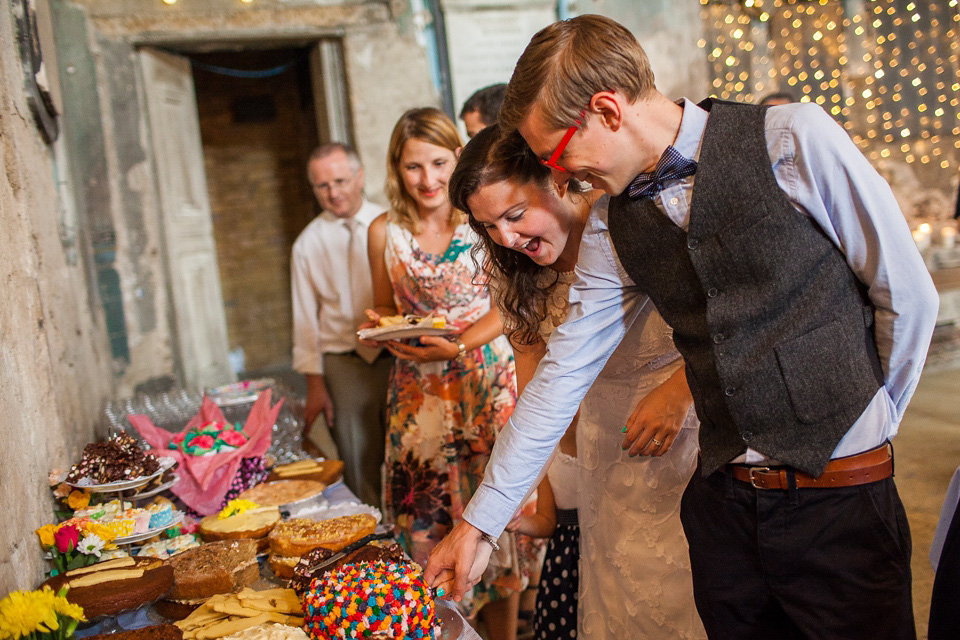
(775, 329)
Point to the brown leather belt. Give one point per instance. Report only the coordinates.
(863, 468)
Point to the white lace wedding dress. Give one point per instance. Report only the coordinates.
(634, 565)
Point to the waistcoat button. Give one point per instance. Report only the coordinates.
(730, 391)
(692, 243)
(712, 292)
(718, 338)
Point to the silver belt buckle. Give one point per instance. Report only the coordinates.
(753, 470)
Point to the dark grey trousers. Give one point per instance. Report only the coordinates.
(359, 394)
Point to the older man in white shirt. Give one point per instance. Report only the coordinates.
(331, 283)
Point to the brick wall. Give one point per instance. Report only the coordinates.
(257, 135)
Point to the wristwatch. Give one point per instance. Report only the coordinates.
(462, 347)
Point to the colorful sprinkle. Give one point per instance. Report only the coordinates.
(385, 597)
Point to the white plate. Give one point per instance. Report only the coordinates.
(337, 510)
(121, 485)
(154, 491)
(398, 332)
(137, 537)
(239, 392)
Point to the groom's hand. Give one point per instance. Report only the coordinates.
(458, 561)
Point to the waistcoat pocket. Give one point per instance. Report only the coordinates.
(818, 372)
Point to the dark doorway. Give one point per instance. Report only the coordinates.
(258, 125)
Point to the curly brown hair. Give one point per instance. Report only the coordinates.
(486, 159)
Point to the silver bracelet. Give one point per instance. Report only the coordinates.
(489, 539)
(462, 348)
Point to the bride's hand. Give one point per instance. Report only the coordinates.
(658, 417)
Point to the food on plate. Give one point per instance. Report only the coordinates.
(227, 614)
(122, 519)
(119, 458)
(337, 603)
(280, 492)
(155, 632)
(164, 547)
(391, 321)
(252, 523)
(161, 512)
(325, 471)
(318, 561)
(434, 322)
(107, 588)
(210, 569)
(291, 539)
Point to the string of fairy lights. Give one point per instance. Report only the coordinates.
(888, 70)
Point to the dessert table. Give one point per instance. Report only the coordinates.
(337, 495)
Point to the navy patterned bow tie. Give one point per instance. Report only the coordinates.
(670, 166)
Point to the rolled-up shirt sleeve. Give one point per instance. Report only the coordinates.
(604, 303)
(826, 175)
(307, 355)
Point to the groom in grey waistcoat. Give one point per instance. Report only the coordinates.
(802, 309)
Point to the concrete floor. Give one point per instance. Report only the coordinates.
(927, 454)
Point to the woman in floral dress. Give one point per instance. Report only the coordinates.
(448, 398)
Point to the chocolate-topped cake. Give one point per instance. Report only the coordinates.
(119, 458)
(309, 566)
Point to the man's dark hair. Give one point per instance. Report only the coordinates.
(486, 101)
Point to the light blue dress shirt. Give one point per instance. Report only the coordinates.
(827, 178)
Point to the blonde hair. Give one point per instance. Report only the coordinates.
(429, 125)
(567, 63)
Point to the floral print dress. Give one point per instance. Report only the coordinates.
(443, 417)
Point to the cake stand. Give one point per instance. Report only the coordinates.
(120, 486)
(126, 541)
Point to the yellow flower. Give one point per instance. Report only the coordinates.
(102, 531)
(78, 499)
(23, 613)
(64, 607)
(235, 507)
(46, 534)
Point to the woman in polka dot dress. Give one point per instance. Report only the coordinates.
(556, 518)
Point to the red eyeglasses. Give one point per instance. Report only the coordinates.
(552, 161)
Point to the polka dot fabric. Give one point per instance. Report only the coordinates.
(556, 608)
(370, 600)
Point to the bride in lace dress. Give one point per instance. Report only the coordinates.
(634, 566)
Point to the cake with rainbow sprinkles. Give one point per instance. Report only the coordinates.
(370, 600)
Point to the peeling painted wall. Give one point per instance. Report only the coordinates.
(387, 74)
(386, 71)
(54, 359)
